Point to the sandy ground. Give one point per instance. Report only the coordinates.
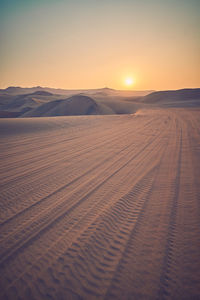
(101, 207)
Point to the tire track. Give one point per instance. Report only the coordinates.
(167, 264)
(117, 206)
(119, 224)
(127, 164)
(31, 187)
(63, 187)
(52, 219)
(80, 176)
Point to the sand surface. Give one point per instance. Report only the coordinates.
(101, 207)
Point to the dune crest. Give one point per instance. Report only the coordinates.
(40, 102)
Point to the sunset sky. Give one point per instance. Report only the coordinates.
(76, 44)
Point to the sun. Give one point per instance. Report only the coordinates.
(129, 81)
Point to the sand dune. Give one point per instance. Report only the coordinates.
(101, 207)
(176, 98)
(75, 105)
(20, 104)
(42, 103)
(12, 90)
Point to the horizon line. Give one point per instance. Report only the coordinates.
(99, 88)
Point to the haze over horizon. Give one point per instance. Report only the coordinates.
(92, 44)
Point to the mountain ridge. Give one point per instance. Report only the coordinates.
(27, 90)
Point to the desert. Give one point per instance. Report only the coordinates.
(101, 206)
(99, 150)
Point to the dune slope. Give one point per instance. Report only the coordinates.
(75, 105)
(101, 207)
(174, 98)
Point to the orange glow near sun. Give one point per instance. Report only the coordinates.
(129, 81)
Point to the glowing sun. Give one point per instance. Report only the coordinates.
(129, 81)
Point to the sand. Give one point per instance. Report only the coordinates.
(41, 103)
(101, 207)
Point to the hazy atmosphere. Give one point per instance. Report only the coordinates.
(99, 150)
(92, 44)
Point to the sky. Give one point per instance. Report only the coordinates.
(74, 44)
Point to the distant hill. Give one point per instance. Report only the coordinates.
(41, 93)
(39, 101)
(75, 105)
(102, 91)
(174, 98)
(16, 90)
(42, 103)
(17, 105)
(25, 102)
